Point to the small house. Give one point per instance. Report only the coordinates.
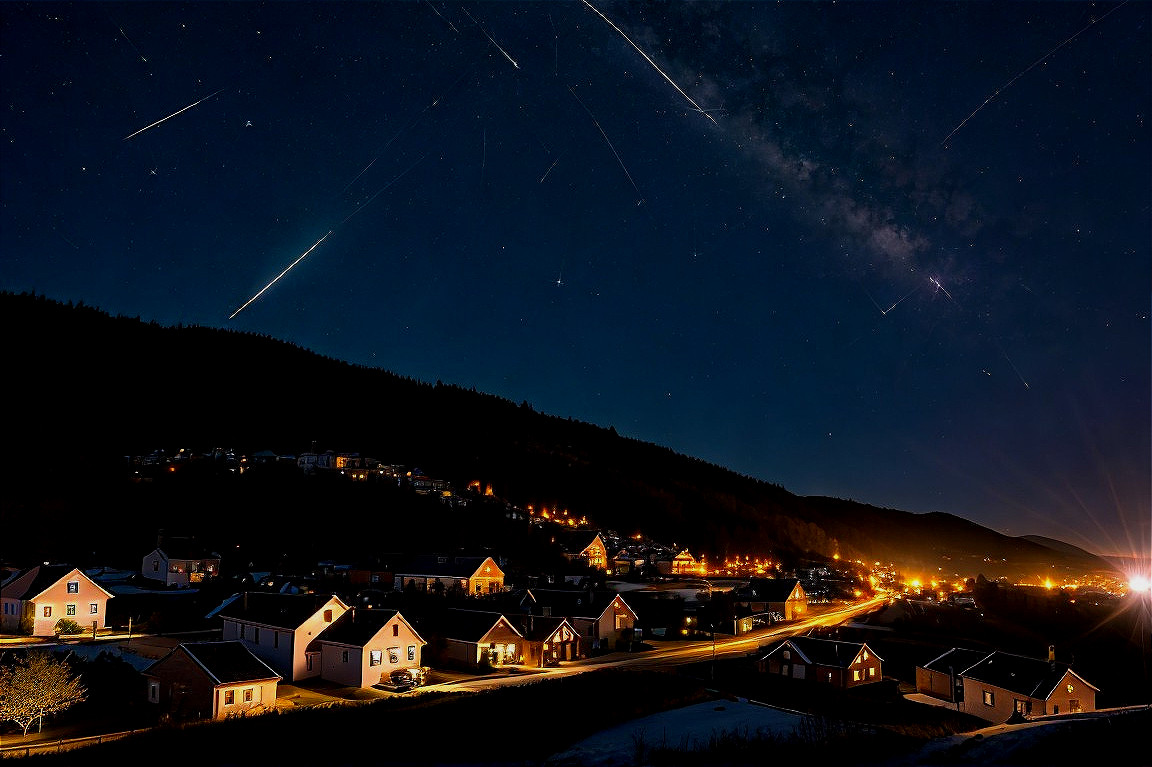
(364, 646)
(36, 599)
(211, 680)
(1003, 685)
(280, 628)
(827, 661)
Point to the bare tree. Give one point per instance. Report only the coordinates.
(37, 685)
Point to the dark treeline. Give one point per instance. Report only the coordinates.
(89, 389)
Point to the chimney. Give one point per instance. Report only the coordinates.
(1052, 656)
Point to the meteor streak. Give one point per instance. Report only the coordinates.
(884, 312)
(650, 61)
(278, 276)
(936, 282)
(605, 135)
(477, 23)
(169, 117)
(1032, 66)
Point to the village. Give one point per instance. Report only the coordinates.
(213, 642)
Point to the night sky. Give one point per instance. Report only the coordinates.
(891, 252)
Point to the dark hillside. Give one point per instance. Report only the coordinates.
(87, 389)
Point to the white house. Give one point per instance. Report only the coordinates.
(36, 599)
(364, 646)
(280, 628)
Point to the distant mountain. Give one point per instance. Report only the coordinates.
(86, 389)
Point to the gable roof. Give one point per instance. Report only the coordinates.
(575, 603)
(228, 662)
(831, 653)
(34, 581)
(359, 626)
(470, 625)
(1031, 677)
(576, 541)
(443, 566)
(955, 661)
(185, 548)
(286, 611)
(540, 629)
(774, 589)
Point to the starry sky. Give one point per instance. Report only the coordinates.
(892, 252)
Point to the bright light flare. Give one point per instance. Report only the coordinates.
(1140, 584)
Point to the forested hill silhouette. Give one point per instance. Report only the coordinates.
(87, 388)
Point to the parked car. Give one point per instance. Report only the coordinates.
(405, 679)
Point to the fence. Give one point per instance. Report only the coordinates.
(57, 746)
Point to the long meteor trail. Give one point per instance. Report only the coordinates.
(278, 276)
(169, 117)
(650, 61)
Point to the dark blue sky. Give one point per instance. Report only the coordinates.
(902, 256)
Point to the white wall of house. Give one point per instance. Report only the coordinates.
(74, 597)
(395, 646)
(245, 697)
(284, 649)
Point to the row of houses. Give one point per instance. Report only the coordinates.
(994, 686)
(268, 638)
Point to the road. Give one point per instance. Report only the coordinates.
(675, 652)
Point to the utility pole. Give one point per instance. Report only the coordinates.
(713, 628)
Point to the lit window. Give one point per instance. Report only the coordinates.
(248, 695)
(871, 671)
(70, 610)
(93, 608)
(229, 697)
(989, 698)
(48, 612)
(374, 658)
(73, 587)
(855, 675)
(393, 654)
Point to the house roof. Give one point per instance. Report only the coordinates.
(831, 653)
(575, 541)
(444, 566)
(359, 626)
(185, 548)
(1032, 677)
(575, 603)
(33, 581)
(773, 589)
(537, 628)
(286, 611)
(955, 661)
(228, 662)
(470, 625)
